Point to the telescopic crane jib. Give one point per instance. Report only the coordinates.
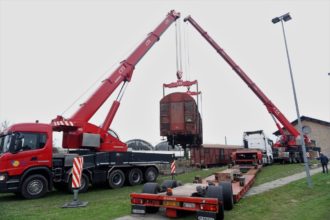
(78, 132)
(272, 109)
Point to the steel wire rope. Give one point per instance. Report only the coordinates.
(178, 46)
(187, 63)
(102, 75)
(186, 51)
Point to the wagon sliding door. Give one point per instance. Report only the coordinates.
(177, 116)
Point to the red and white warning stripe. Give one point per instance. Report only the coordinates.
(173, 168)
(63, 123)
(78, 163)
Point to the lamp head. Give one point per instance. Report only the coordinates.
(286, 17)
(275, 20)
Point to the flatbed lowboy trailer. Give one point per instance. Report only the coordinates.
(207, 197)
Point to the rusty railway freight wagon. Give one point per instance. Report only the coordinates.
(180, 120)
(209, 155)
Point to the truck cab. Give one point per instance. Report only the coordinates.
(259, 140)
(26, 159)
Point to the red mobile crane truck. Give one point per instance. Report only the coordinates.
(288, 143)
(29, 167)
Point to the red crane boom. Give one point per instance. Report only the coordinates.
(272, 109)
(123, 73)
(77, 129)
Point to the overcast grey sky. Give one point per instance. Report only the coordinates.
(52, 51)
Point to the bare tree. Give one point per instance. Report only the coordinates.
(4, 125)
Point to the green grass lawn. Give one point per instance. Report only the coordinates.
(283, 203)
(270, 173)
(295, 201)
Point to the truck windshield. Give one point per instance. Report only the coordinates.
(5, 143)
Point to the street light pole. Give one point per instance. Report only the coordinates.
(286, 17)
(329, 93)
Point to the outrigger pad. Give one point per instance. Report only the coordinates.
(75, 204)
(138, 209)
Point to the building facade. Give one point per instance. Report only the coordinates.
(319, 131)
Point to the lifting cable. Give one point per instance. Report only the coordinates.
(103, 75)
(178, 49)
(186, 50)
(187, 65)
(88, 89)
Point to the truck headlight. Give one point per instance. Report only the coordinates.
(2, 177)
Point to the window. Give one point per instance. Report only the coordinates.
(5, 143)
(32, 141)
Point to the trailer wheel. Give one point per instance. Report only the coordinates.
(168, 184)
(227, 195)
(151, 174)
(151, 188)
(135, 176)
(216, 192)
(34, 186)
(116, 179)
(84, 184)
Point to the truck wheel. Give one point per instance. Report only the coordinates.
(84, 184)
(151, 188)
(151, 174)
(116, 179)
(168, 184)
(135, 176)
(216, 192)
(227, 195)
(34, 186)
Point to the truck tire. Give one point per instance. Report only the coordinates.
(151, 174)
(34, 186)
(151, 188)
(216, 192)
(84, 184)
(135, 176)
(228, 199)
(168, 184)
(116, 179)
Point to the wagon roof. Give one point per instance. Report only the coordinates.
(177, 97)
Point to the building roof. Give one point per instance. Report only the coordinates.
(305, 118)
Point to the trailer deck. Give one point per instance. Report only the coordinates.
(194, 197)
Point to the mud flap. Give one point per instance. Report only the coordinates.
(206, 215)
(138, 209)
